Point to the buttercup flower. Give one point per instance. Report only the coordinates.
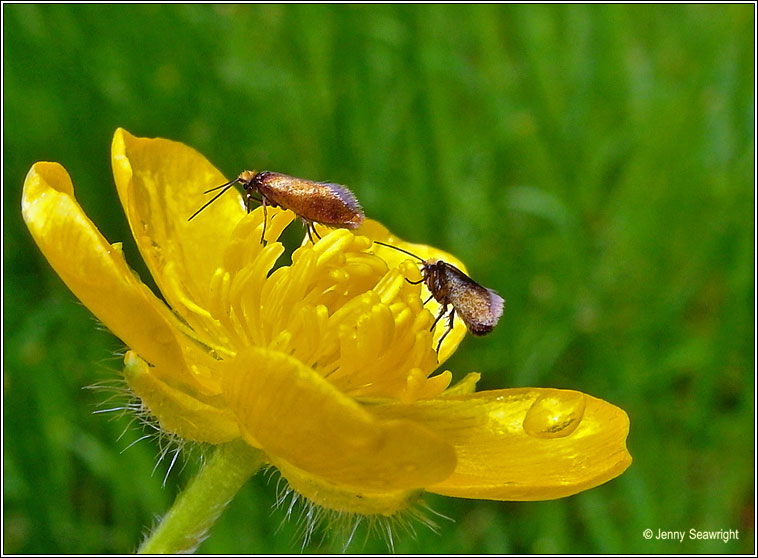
(326, 367)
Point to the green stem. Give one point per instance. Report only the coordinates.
(196, 509)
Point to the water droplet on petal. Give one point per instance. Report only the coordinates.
(555, 415)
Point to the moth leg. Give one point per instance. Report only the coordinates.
(442, 313)
(249, 199)
(448, 330)
(311, 229)
(263, 234)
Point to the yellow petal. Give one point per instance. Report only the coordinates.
(186, 416)
(466, 386)
(161, 184)
(299, 417)
(524, 444)
(94, 270)
(340, 498)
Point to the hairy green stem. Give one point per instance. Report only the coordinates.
(196, 509)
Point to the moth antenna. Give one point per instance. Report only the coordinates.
(217, 196)
(399, 250)
(231, 182)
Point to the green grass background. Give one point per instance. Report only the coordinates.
(594, 164)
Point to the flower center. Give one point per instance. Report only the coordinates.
(337, 308)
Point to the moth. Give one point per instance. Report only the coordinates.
(478, 307)
(325, 203)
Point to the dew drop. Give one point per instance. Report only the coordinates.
(555, 415)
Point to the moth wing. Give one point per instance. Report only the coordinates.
(480, 308)
(353, 216)
(316, 202)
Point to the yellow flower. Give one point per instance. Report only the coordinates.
(326, 364)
